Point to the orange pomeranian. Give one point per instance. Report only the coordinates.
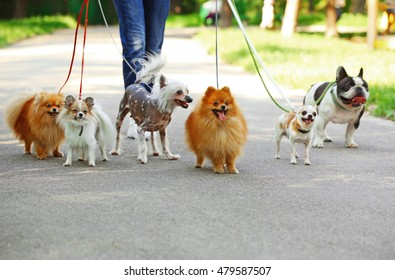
(33, 121)
(216, 129)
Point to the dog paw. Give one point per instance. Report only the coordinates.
(42, 156)
(352, 145)
(307, 162)
(58, 154)
(155, 154)
(277, 157)
(115, 153)
(143, 160)
(219, 169)
(67, 164)
(173, 157)
(198, 166)
(328, 139)
(317, 145)
(233, 171)
(293, 161)
(92, 164)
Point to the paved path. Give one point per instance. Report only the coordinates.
(341, 207)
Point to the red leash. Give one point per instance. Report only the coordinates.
(85, 5)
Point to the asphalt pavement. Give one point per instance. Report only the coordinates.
(340, 207)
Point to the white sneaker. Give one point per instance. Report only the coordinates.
(132, 131)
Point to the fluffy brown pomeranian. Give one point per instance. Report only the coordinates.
(32, 118)
(216, 129)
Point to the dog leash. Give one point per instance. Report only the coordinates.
(330, 85)
(255, 56)
(216, 43)
(84, 5)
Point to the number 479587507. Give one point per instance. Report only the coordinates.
(243, 270)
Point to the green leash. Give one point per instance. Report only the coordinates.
(324, 93)
(257, 68)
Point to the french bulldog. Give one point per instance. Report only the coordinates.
(342, 102)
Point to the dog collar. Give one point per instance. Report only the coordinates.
(336, 101)
(303, 131)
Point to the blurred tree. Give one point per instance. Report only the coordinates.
(225, 15)
(331, 19)
(267, 14)
(185, 6)
(20, 8)
(290, 19)
(358, 6)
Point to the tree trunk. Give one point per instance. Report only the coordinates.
(225, 15)
(290, 20)
(331, 17)
(357, 6)
(20, 10)
(267, 14)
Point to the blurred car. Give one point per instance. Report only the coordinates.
(208, 11)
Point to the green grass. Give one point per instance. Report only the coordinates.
(12, 31)
(304, 59)
(190, 20)
(347, 19)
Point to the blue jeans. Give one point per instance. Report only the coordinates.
(141, 28)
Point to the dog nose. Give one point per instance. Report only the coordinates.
(223, 107)
(80, 115)
(188, 99)
(359, 91)
(54, 110)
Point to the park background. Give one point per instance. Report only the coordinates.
(300, 41)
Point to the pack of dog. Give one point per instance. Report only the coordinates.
(151, 102)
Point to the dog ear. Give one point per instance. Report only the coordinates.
(210, 90)
(89, 101)
(341, 74)
(360, 73)
(69, 101)
(162, 81)
(226, 89)
(37, 97)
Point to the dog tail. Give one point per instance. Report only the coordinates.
(106, 128)
(150, 67)
(14, 108)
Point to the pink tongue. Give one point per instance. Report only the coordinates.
(359, 100)
(221, 116)
(308, 121)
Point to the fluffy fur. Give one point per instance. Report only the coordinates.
(216, 129)
(151, 111)
(32, 118)
(343, 103)
(298, 127)
(86, 126)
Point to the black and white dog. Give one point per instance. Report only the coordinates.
(343, 102)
